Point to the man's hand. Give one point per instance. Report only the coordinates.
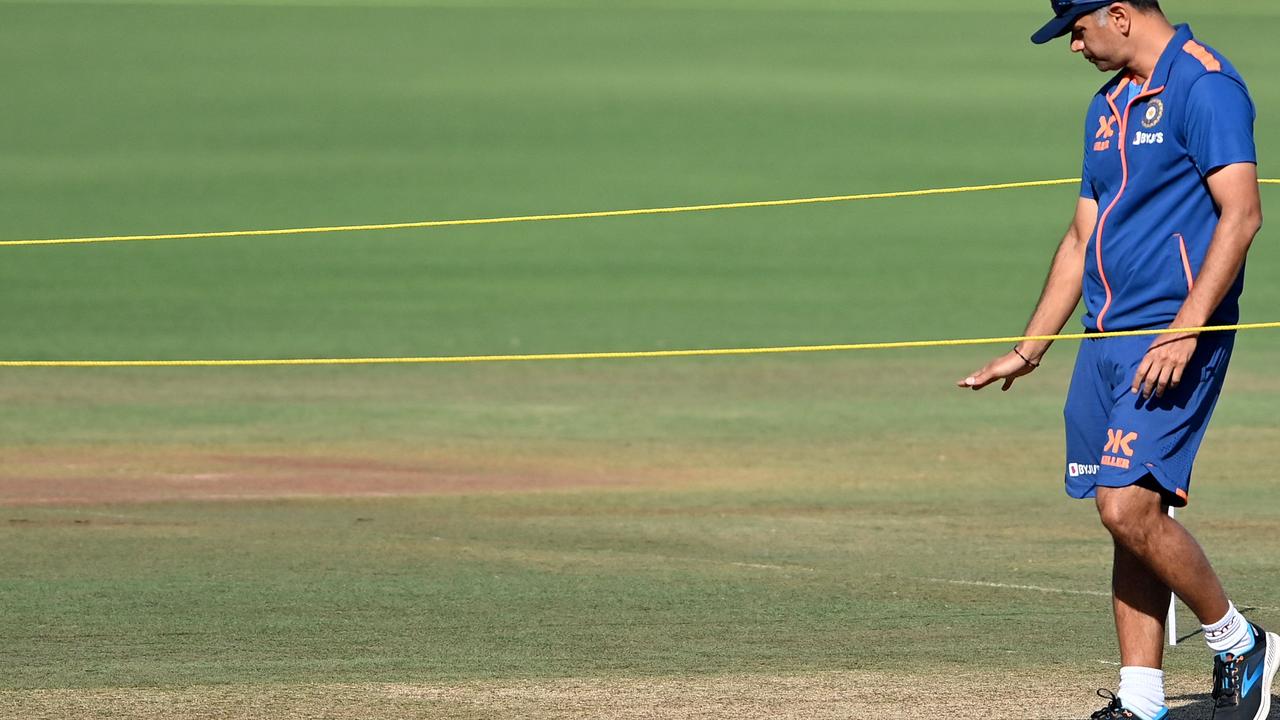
(1162, 367)
(1007, 367)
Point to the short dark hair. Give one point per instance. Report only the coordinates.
(1145, 5)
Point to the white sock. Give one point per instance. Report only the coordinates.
(1232, 634)
(1142, 691)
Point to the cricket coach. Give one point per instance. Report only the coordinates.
(1168, 208)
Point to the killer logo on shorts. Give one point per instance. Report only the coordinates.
(1119, 443)
(1153, 114)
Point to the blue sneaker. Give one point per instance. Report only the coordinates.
(1115, 710)
(1242, 684)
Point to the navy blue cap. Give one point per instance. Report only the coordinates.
(1065, 14)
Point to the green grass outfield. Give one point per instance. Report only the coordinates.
(814, 535)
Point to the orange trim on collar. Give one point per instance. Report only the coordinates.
(1124, 83)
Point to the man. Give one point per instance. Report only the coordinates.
(1168, 208)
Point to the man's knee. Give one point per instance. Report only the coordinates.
(1129, 513)
(1115, 518)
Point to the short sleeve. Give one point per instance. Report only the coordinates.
(1219, 123)
(1090, 135)
(1086, 181)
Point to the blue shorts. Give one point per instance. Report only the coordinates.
(1116, 438)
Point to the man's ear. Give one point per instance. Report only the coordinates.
(1121, 16)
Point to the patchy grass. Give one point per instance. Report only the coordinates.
(816, 536)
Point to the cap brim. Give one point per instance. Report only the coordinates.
(1060, 26)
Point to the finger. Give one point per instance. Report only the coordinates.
(1140, 376)
(1153, 375)
(1162, 383)
(971, 379)
(1176, 380)
(977, 380)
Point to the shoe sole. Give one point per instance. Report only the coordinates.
(1270, 664)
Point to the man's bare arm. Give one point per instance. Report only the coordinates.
(1235, 191)
(1057, 302)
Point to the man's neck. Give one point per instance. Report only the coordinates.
(1156, 34)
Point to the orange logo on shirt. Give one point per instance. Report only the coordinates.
(1106, 130)
(1106, 127)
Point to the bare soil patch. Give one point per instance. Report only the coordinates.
(46, 476)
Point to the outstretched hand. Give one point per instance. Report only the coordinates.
(1007, 367)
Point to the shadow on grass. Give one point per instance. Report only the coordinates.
(1200, 707)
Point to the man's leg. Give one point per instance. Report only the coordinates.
(1141, 603)
(1138, 522)
(1153, 552)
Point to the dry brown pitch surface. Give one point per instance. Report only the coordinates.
(826, 696)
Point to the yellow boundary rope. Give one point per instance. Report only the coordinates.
(562, 216)
(713, 352)
(540, 218)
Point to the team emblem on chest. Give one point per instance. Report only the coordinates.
(1153, 114)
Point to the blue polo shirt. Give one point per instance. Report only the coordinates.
(1148, 150)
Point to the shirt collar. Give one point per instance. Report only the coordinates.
(1160, 76)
